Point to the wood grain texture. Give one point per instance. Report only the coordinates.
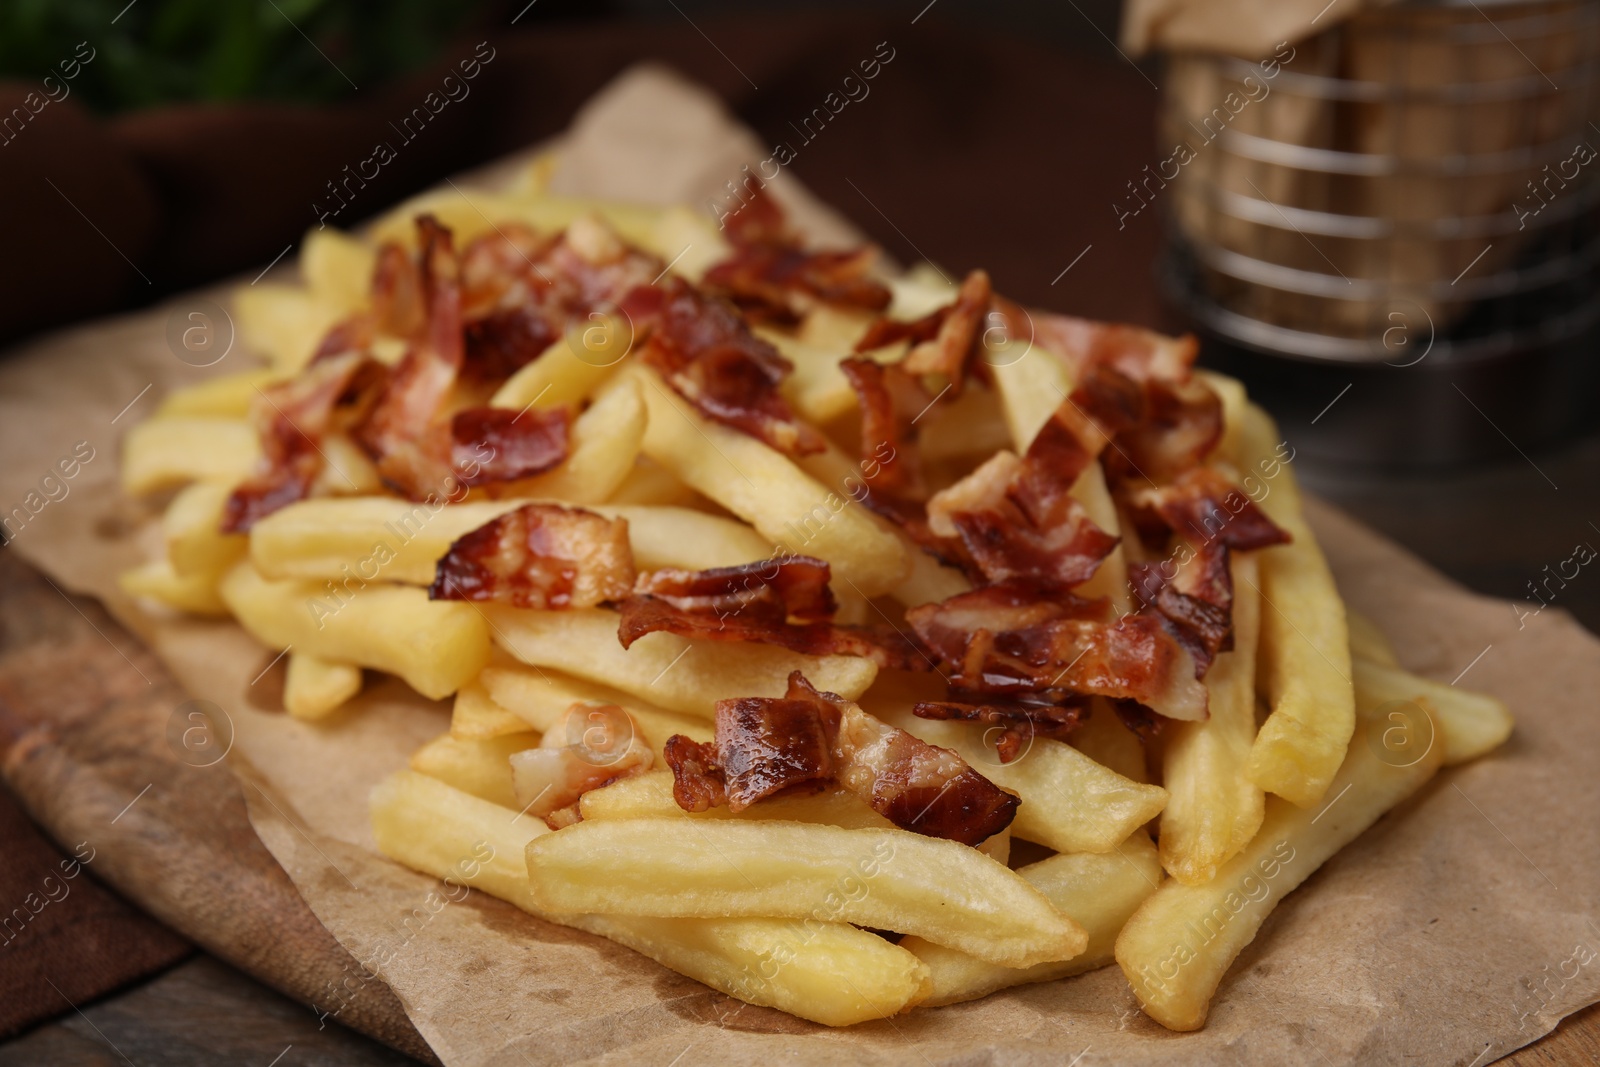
(85, 711)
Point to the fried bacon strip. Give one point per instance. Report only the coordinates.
(1196, 600)
(777, 602)
(945, 341)
(772, 278)
(1201, 504)
(1016, 720)
(1017, 637)
(591, 746)
(807, 740)
(291, 418)
(539, 556)
(706, 352)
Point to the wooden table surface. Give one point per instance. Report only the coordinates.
(1494, 529)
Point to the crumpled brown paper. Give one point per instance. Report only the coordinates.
(1459, 928)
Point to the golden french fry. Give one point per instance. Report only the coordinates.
(652, 484)
(1213, 809)
(476, 717)
(605, 442)
(1099, 890)
(650, 796)
(1303, 664)
(833, 328)
(191, 528)
(437, 646)
(541, 697)
(1182, 940)
(947, 892)
(393, 540)
(1368, 642)
(480, 766)
(828, 972)
(337, 269)
(195, 593)
(766, 489)
(1103, 738)
(565, 373)
(284, 323)
(471, 213)
(314, 687)
(226, 397)
(164, 453)
(963, 427)
(1471, 724)
(817, 389)
(673, 672)
(1069, 802)
(347, 469)
(1231, 392)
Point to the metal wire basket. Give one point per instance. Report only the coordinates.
(1419, 182)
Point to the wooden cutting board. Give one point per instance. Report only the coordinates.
(89, 719)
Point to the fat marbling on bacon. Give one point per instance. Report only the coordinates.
(808, 740)
(539, 556)
(783, 602)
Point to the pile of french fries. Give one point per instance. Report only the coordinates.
(1164, 857)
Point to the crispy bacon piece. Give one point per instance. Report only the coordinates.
(1179, 426)
(767, 747)
(697, 780)
(808, 739)
(1017, 637)
(1017, 520)
(354, 334)
(292, 417)
(1196, 600)
(945, 341)
(890, 401)
(504, 341)
(539, 556)
(1017, 720)
(773, 278)
(501, 269)
(500, 445)
(708, 355)
(1137, 354)
(1202, 505)
(756, 602)
(398, 307)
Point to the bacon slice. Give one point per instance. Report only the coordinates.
(539, 556)
(1202, 505)
(1196, 600)
(591, 746)
(398, 306)
(807, 739)
(944, 342)
(1015, 638)
(504, 341)
(292, 417)
(500, 445)
(1018, 520)
(756, 602)
(1136, 353)
(890, 400)
(707, 353)
(1018, 720)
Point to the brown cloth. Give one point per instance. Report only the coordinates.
(66, 939)
(969, 148)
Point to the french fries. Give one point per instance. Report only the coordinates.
(767, 490)
(437, 646)
(1100, 891)
(1213, 809)
(168, 452)
(828, 972)
(1182, 940)
(884, 879)
(1304, 660)
(650, 796)
(401, 540)
(750, 832)
(674, 672)
(315, 687)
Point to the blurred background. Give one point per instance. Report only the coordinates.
(1387, 226)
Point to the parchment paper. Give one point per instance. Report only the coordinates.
(1420, 943)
